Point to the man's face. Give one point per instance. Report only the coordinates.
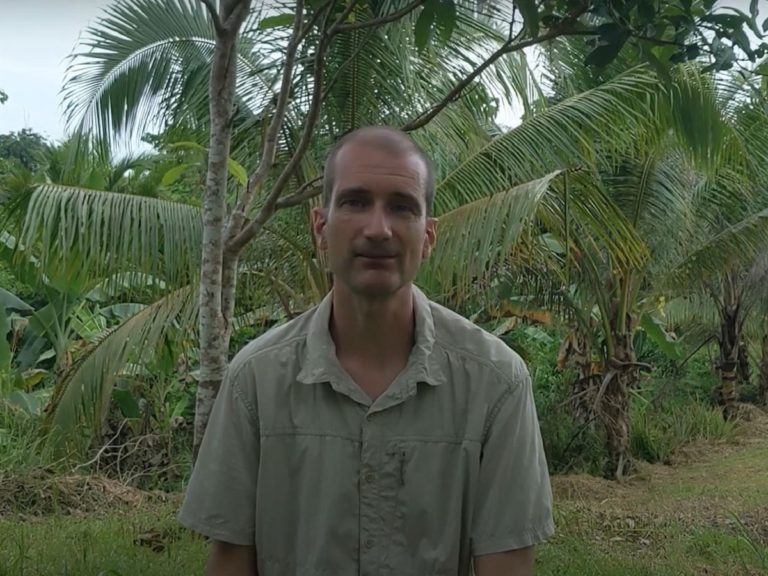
(375, 230)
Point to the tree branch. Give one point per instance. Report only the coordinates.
(213, 13)
(270, 142)
(237, 243)
(339, 28)
(307, 191)
(344, 15)
(507, 48)
(315, 17)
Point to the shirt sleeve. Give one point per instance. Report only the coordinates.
(514, 499)
(221, 495)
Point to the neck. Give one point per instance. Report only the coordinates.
(374, 331)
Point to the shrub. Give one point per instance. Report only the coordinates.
(658, 430)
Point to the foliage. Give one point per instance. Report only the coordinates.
(25, 147)
(659, 430)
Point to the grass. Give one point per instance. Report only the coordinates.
(706, 515)
(147, 542)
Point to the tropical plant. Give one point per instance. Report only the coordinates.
(279, 76)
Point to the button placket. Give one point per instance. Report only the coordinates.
(368, 518)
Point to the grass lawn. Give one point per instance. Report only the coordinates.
(707, 516)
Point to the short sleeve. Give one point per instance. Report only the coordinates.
(514, 499)
(221, 495)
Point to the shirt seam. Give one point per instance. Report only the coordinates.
(495, 412)
(510, 381)
(422, 439)
(254, 353)
(252, 412)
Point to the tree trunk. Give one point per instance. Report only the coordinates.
(576, 350)
(217, 289)
(745, 371)
(620, 376)
(762, 393)
(727, 393)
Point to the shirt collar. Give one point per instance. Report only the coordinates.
(319, 362)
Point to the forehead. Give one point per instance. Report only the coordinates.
(370, 164)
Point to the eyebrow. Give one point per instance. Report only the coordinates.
(397, 195)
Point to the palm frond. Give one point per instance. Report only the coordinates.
(80, 400)
(563, 135)
(85, 234)
(480, 234)
(135, 63)
(738, 243)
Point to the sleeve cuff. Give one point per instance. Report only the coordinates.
(513, 541)
(219, 533)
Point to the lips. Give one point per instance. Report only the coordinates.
(376, 256)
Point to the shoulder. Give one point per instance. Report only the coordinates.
(485, 352)
(278, 343)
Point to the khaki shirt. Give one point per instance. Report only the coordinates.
(446, 464)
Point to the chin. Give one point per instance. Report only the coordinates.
(377, 290)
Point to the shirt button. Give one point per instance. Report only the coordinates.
(369, 543)
(369, 476)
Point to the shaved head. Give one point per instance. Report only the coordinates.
(389, 139)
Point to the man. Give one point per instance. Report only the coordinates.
(379, 433)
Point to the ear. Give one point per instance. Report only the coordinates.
(430, 237)
(319, 219)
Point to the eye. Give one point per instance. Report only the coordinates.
(352, 202)
(404, 208)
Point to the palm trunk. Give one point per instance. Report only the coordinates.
(745, 371)
(576, 350)
(217, 288)
(727, 392)
(763, 387)
(620, 377)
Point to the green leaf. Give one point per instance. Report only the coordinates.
(188, 145)
(126, 402)
(765, 25)
(601, 56)
(13, 302)
(180, 408)
(446, 20)
(5, 349)
(27, 402)
(425, 23)
(33, 376)
(530, 16)
(236, 169)
(646, 11)
(753, 8)
(278, 21)
(173, 174)
(670, 346)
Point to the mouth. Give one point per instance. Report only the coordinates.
(375, 255)
(375, 260)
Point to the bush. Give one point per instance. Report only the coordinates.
(570, 446)
(658, 430)
(22, 446)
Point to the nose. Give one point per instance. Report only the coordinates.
(377, 226)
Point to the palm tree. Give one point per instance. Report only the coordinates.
(659, 187)
(496, 190)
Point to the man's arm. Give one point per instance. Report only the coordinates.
(512, 563)
(226, 559)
